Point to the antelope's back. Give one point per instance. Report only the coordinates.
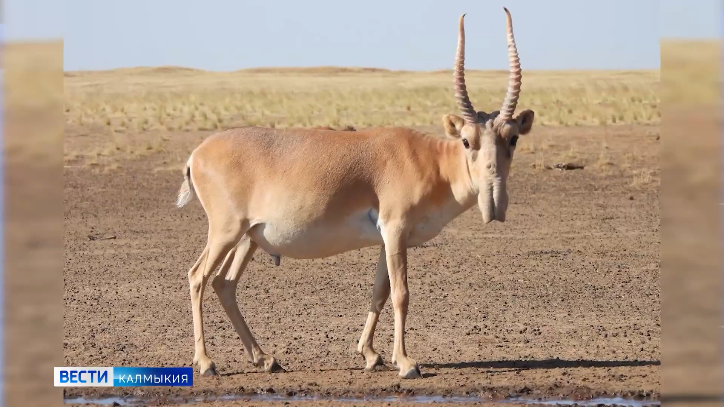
(306, 158)
(318, 170)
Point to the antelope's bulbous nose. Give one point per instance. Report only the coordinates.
(488, 216)
(500, 200)
(486, 204)
(493, 201)
(500, 216)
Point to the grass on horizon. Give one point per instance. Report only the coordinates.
(170, 98)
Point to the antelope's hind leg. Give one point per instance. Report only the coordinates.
(225, 284)
(216, 249)
(380, 294)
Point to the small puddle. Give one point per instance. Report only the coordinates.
(133, 401)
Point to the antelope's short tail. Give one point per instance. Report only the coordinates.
(186, 192)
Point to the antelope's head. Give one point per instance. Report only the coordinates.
(489, 138)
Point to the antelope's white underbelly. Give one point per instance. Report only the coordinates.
(317, 238)
(323, 238)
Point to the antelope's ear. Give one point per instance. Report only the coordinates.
(452, 124)
(525, 121)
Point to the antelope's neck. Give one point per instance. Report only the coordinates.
(454, 170)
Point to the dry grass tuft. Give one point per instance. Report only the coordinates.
(540, 162)
(114, 166)
(604, 160)
(643, 177)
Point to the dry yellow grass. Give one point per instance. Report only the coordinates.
(131, 101)
(171, 98)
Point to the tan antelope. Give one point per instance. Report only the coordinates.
(309, 194)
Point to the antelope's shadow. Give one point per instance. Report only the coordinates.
(542, 364)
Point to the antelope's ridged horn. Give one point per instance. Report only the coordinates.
(514, 80)
(461, 93)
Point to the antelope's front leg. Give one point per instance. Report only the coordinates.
(396, 248)
(380, 294)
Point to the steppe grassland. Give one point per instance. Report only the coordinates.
(135, 110)
(161, 101)
(185, 99)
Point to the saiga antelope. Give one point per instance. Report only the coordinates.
(310, 194)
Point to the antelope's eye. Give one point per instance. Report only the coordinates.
(513, 140)
(465, 143)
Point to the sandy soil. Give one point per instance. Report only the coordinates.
(562, 300)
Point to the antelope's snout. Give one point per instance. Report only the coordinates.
(493, 201)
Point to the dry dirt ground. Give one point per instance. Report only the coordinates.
(561, 300)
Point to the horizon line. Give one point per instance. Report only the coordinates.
(337, 69)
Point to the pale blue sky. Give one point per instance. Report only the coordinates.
(402, 34)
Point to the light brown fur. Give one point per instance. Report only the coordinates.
(312, 193)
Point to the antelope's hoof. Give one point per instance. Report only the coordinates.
(209, 370)
(206, 367)
(412, 373)
(270, 364)
(274, 367)
(374, 363)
